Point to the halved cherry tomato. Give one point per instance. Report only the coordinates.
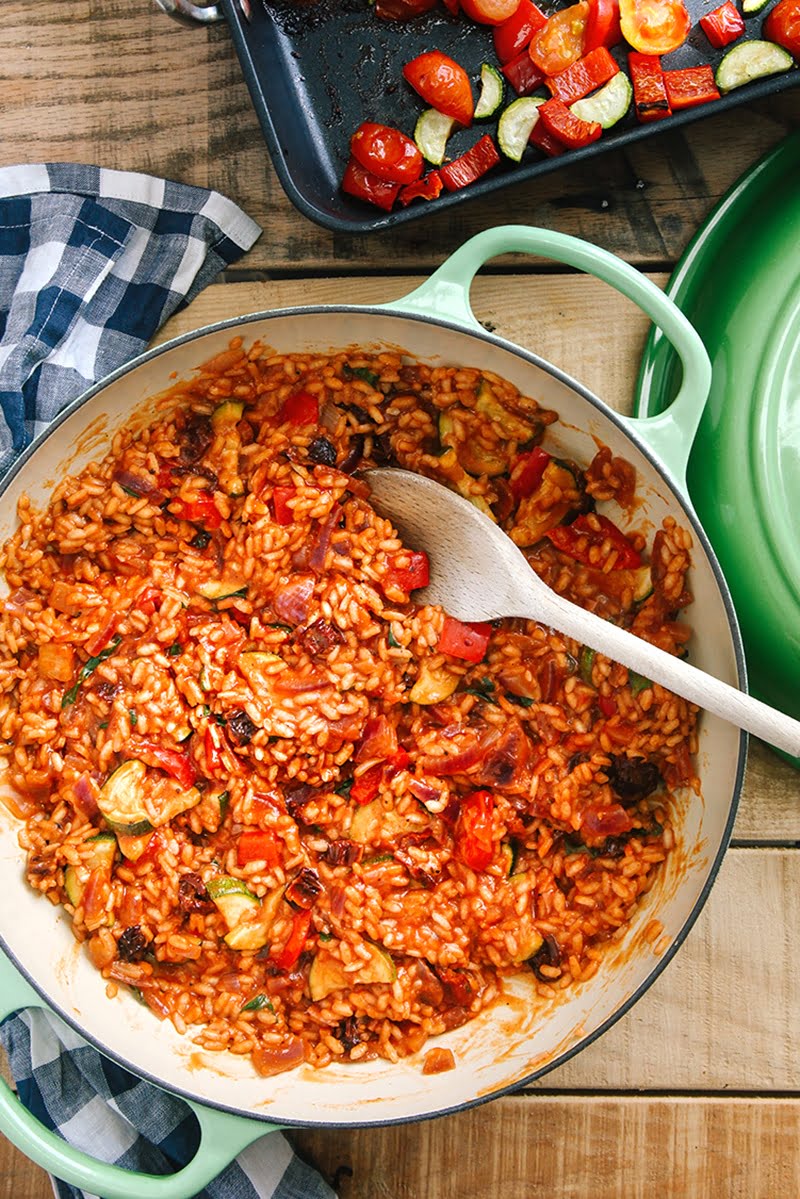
(560, 42)
(654, 26)
(386, 152)
(783, 26)
(300, 408)
(443, 84)
(602, 25)
(465, 641)
(473, 833)
(511, 38)
(490, 12)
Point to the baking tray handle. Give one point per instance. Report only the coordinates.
(222, 1135)
(446, 295)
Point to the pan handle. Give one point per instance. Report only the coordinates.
(222, 1135)
(446, 295)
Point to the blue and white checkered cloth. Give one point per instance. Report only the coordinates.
(92, 262)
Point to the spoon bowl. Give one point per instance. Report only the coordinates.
(477, 573)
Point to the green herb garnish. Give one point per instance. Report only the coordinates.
(637, 682)
(392, 640)
(286, 628)
(524, 701)
(257, 1003)
(363, 373)
(133, 716)
(71, 695)
(175, 649)
(585, 664)
(344, 787)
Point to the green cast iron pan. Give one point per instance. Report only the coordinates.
(739, 285)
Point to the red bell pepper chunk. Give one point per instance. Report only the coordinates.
(149, 600)
(366, 186)
(284, 515)
(543, 140)
(527, 472)
(176, 762)
(474, 827)
(723, 25)
(470, 166)
(297, 938)
(690, 86)
(602, 25)
(300, 408)
(468, 642)
(417, 572)
(258, 845)
(512, 37)
(588, 73)
(427, 188)
(649, 90)
(570, 130)
(523, 75)
(201, 510)
(585, 533)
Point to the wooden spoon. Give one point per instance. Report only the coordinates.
(477, 573)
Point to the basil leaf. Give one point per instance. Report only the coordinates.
(71, 695)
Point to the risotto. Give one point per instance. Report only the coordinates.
(299, 814)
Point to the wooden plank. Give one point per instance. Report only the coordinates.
(569, 1147)
(573, 1148)
(175, 104)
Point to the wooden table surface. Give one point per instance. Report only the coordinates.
(696, 1092)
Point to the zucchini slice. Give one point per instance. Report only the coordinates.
(493, 89)
(608, 104)
(252, 931)
(228, 413)
(101, 857)
(642, 584)
(474, 457)
(233, 898)
(516, 124)
(327, 973)
(531, 526)
(122, 800)
(510, 425)
(373, 823)
(747, 61)
(431, 132)
(433, 684)
(224, 420)
(752, 6)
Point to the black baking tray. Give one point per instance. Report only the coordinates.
(317, 68)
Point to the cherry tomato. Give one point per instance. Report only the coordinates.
(602, 25)
(511, 38)
(560, 42)
(387, 153)
(443, 84)
(490, 12)
(473, 833)
(654, 26)
(783, 26)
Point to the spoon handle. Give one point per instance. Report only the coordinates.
(676, 675)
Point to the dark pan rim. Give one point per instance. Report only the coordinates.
(658, 968)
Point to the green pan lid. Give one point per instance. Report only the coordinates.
(739, 284)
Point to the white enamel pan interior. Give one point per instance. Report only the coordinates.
(517, 1040)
